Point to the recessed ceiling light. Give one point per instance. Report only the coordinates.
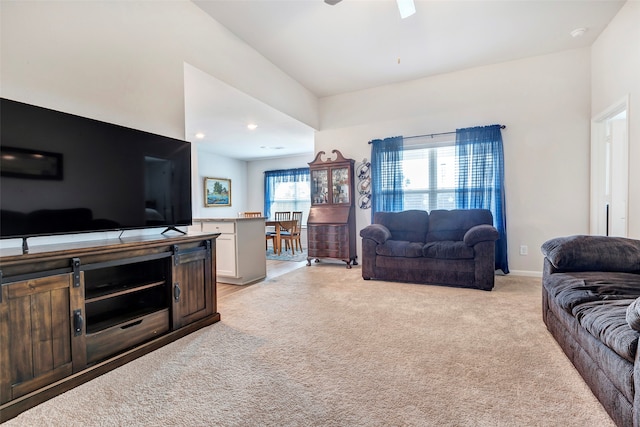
(199, 135)
(578, 32)
(252, 126)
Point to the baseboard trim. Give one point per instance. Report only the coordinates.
(526, 273)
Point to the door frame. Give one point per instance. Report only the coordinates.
(598, 215)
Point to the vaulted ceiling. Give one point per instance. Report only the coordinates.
(359, 44)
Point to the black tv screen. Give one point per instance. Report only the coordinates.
(61, 173)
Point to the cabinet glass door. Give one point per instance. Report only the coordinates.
(319, 186)
(340, 180)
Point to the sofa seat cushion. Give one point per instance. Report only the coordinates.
(572, 289)
(606, 320)
(447, 250)
(400, 248)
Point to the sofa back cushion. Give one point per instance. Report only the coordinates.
(593, 253)
(452, 225)
(410, 225)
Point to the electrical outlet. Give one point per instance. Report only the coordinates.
(524, 250)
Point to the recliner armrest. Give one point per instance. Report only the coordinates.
(481, 233)
(377, 232)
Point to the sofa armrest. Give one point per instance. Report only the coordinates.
(593, 253)
(377, 232)
(480, 233)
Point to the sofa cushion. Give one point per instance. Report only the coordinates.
(410, 225)
(606, 320)
(453, 224)
(399, 248)
(599, 300)
(571, 289)
(593, 253)
(633, 314)
(447, 250)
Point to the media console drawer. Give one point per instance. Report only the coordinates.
(124, 335)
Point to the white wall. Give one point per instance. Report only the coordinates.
(615, 73)
(212, 165)
(122, 61)
(543, 101)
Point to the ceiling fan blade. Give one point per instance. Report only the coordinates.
(406, 8)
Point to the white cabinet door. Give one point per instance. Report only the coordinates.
(226, 255)
(226, 264)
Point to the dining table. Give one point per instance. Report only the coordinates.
(279, 225)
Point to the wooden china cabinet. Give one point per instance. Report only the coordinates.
(331, 227)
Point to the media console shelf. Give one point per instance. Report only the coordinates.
(69, 313)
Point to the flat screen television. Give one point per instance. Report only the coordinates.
(61, 173)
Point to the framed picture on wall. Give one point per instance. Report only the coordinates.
(217, 192)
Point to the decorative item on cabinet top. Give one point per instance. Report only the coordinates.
(363, 171)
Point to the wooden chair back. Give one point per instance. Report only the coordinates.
(282, 216)
(297, 216)
(251, 214)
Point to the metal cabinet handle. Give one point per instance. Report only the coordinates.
(78, 322)
(176, 291)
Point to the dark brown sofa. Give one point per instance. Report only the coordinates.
(590, 291)
(453, 248)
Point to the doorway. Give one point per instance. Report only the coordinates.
(610, 171)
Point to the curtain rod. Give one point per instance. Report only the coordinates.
(437, 134)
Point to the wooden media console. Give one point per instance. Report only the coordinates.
(71, 312)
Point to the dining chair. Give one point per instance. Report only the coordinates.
(292, 237)
(282, 216)
(271, 235)
(251, 214)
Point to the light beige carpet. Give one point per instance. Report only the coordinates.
(322, 347)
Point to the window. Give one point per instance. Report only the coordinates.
(429, 177)
(287, 190)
